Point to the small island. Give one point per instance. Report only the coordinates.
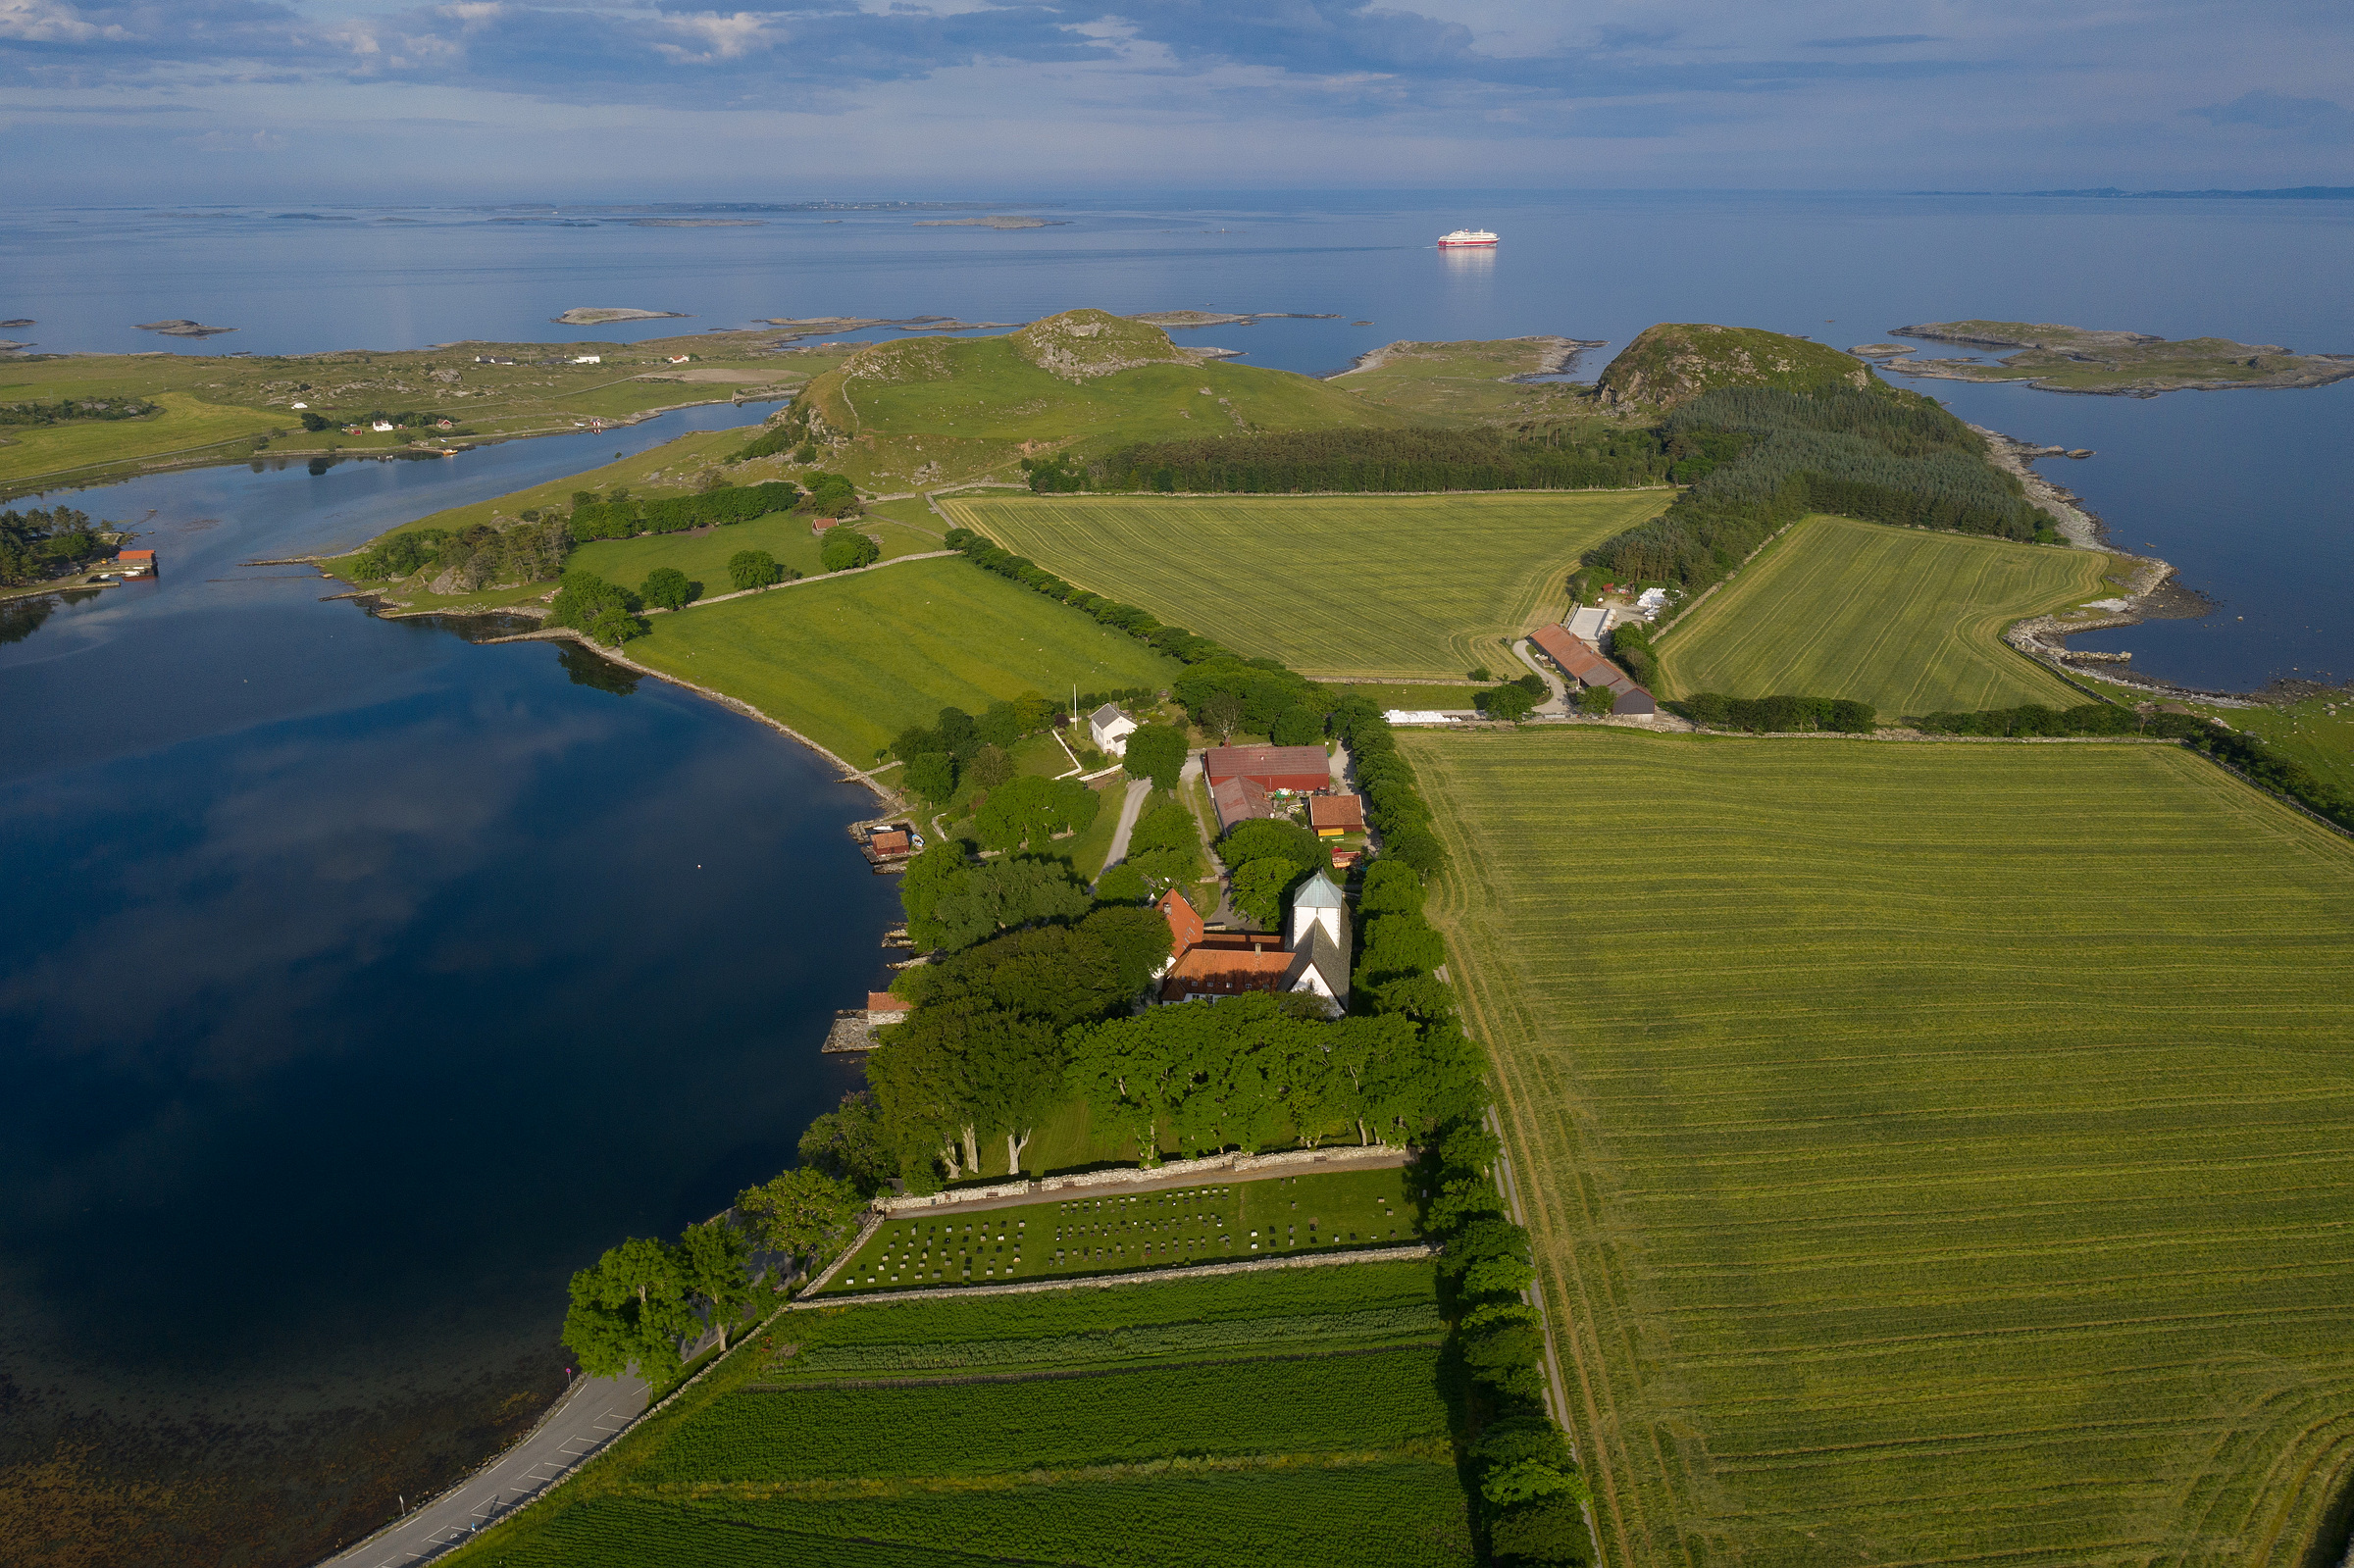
(2117, 363)
(999, 221)
(603, 314)
(184, 328)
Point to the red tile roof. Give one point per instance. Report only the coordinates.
(135, 555)
(882, 1001)
(1275, 767)
(1185, 925)
(1342, 813)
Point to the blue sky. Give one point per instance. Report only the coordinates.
(105, 100)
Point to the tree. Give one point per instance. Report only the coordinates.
(848, 1145)
(1596, 700)
(1478, 675)
(1258, 889)
(1123, 884)
(668, 588)
(939, 870)
(1155, 751)
(752, 568)
(1298, 726)
(1222, 715)
(923, 1087)
(802, 1213)
(1391, 886)
(615, 625)
(1138, 940)
(1019, 1067)
(1029, 812)
(990, 767)
(1002, 894)
(846, 549)
(710, 1259)
(1165, 845)
(932, 774)
(1267, 839)
(1510, 702)
(630, 1309)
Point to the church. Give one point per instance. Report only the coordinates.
(1313, 960)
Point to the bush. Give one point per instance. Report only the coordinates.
(846, 549)
(1777, 715)
(1597, 700)
(753, 569)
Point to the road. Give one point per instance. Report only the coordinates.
(582, 1422)
(1130, 809)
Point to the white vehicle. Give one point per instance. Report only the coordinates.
(1465, 236)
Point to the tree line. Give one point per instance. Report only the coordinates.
(621, 516)
(72, 410)
(1276, 463)
(1778, 715)
(1141, 624)
(45, 542)
(1760, 458)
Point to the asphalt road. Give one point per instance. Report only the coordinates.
(1555, 705)
(1130, 809)
(584, 1421)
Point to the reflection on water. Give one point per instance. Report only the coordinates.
(22, 618)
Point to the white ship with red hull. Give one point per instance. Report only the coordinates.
(1467, 239)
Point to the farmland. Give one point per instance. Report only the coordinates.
(850, 661)
(1291, 1417)
(1908, 620)
(1338, 586)
(1108, 1234)
(1956, 1171)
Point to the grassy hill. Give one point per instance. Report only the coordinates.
(1954, 1171)
(1283, 1417)
(1908, 620)
(935, 411)
(849, 661)
(1469, 382)
(1675, 362)
(1336, 586)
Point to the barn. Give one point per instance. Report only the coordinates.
(1297, 769)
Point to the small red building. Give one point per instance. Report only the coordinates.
(1332, 816)
(1299, 769)
(135, 563)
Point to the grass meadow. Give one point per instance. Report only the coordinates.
(850, 661)
(1905, 620)
(1338, 588)
(1936, 1153)
(187, 426)
(1284, 1417)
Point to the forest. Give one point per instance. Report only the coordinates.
(1760, 458)
(38, 544)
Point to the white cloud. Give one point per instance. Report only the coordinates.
(53, 22)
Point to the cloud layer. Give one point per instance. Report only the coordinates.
(1819, 92)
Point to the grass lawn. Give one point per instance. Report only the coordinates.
(1908, 620)
(1936, 1153)
(1337, 587)
(1417, 697)
(850, 661)
(1288, 1417)
(1211, 1223)
(704, 557)
(77, 451)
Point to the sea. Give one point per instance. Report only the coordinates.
(359, 980)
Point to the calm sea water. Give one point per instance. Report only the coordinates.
(356, 982)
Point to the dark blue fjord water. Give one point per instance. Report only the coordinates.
(357, 982)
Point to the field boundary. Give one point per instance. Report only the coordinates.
(1080, 1282)
(1073, 1374)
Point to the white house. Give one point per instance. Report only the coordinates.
(587, 359)
(1110, 728)
(380, 424)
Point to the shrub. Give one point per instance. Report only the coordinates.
(668, 588)
(753, 569)
(845, 549)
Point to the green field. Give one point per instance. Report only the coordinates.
(851, 661)
(189, 427)
(1280, 1418)
(1216, 1222)
(1908, 620)
(1936, 1153)
(1466, 383)
(1335, 586)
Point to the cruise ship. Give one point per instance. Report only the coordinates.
(1465, 236)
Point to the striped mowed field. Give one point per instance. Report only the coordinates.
(1908, 620)
(1937, 1153)
(1336, 586)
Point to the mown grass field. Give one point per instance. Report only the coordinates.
(852, 660)
(1215, 1222)
(1287, 1417)
(1936, 1153)
(1908, 620)
(189, 426)
(1336, 586)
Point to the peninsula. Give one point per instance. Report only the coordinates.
(2118, 364)
(601, 315)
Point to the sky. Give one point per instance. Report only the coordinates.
(190, 100)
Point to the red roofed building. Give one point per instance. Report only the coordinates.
(1301, 769)
(1239, 800)
(1584, 664)
(882, 1007)
(135, 563)
(1331, 816)
(1207, 963)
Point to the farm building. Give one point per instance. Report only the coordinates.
(1110, 728)
(1589, 623)
(1297, 769)
(1584, 664)
(1313, 962)
(1331, 816)
(1239, 800)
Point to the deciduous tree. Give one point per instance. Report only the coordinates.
(1155, 751)
(711, 1259)
(803, 1213)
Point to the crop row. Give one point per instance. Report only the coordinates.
(1381, 1400)
(1324, 1330)
(1383, 1516)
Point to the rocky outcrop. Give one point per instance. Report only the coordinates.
(1082, 344)
(1674, 362)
